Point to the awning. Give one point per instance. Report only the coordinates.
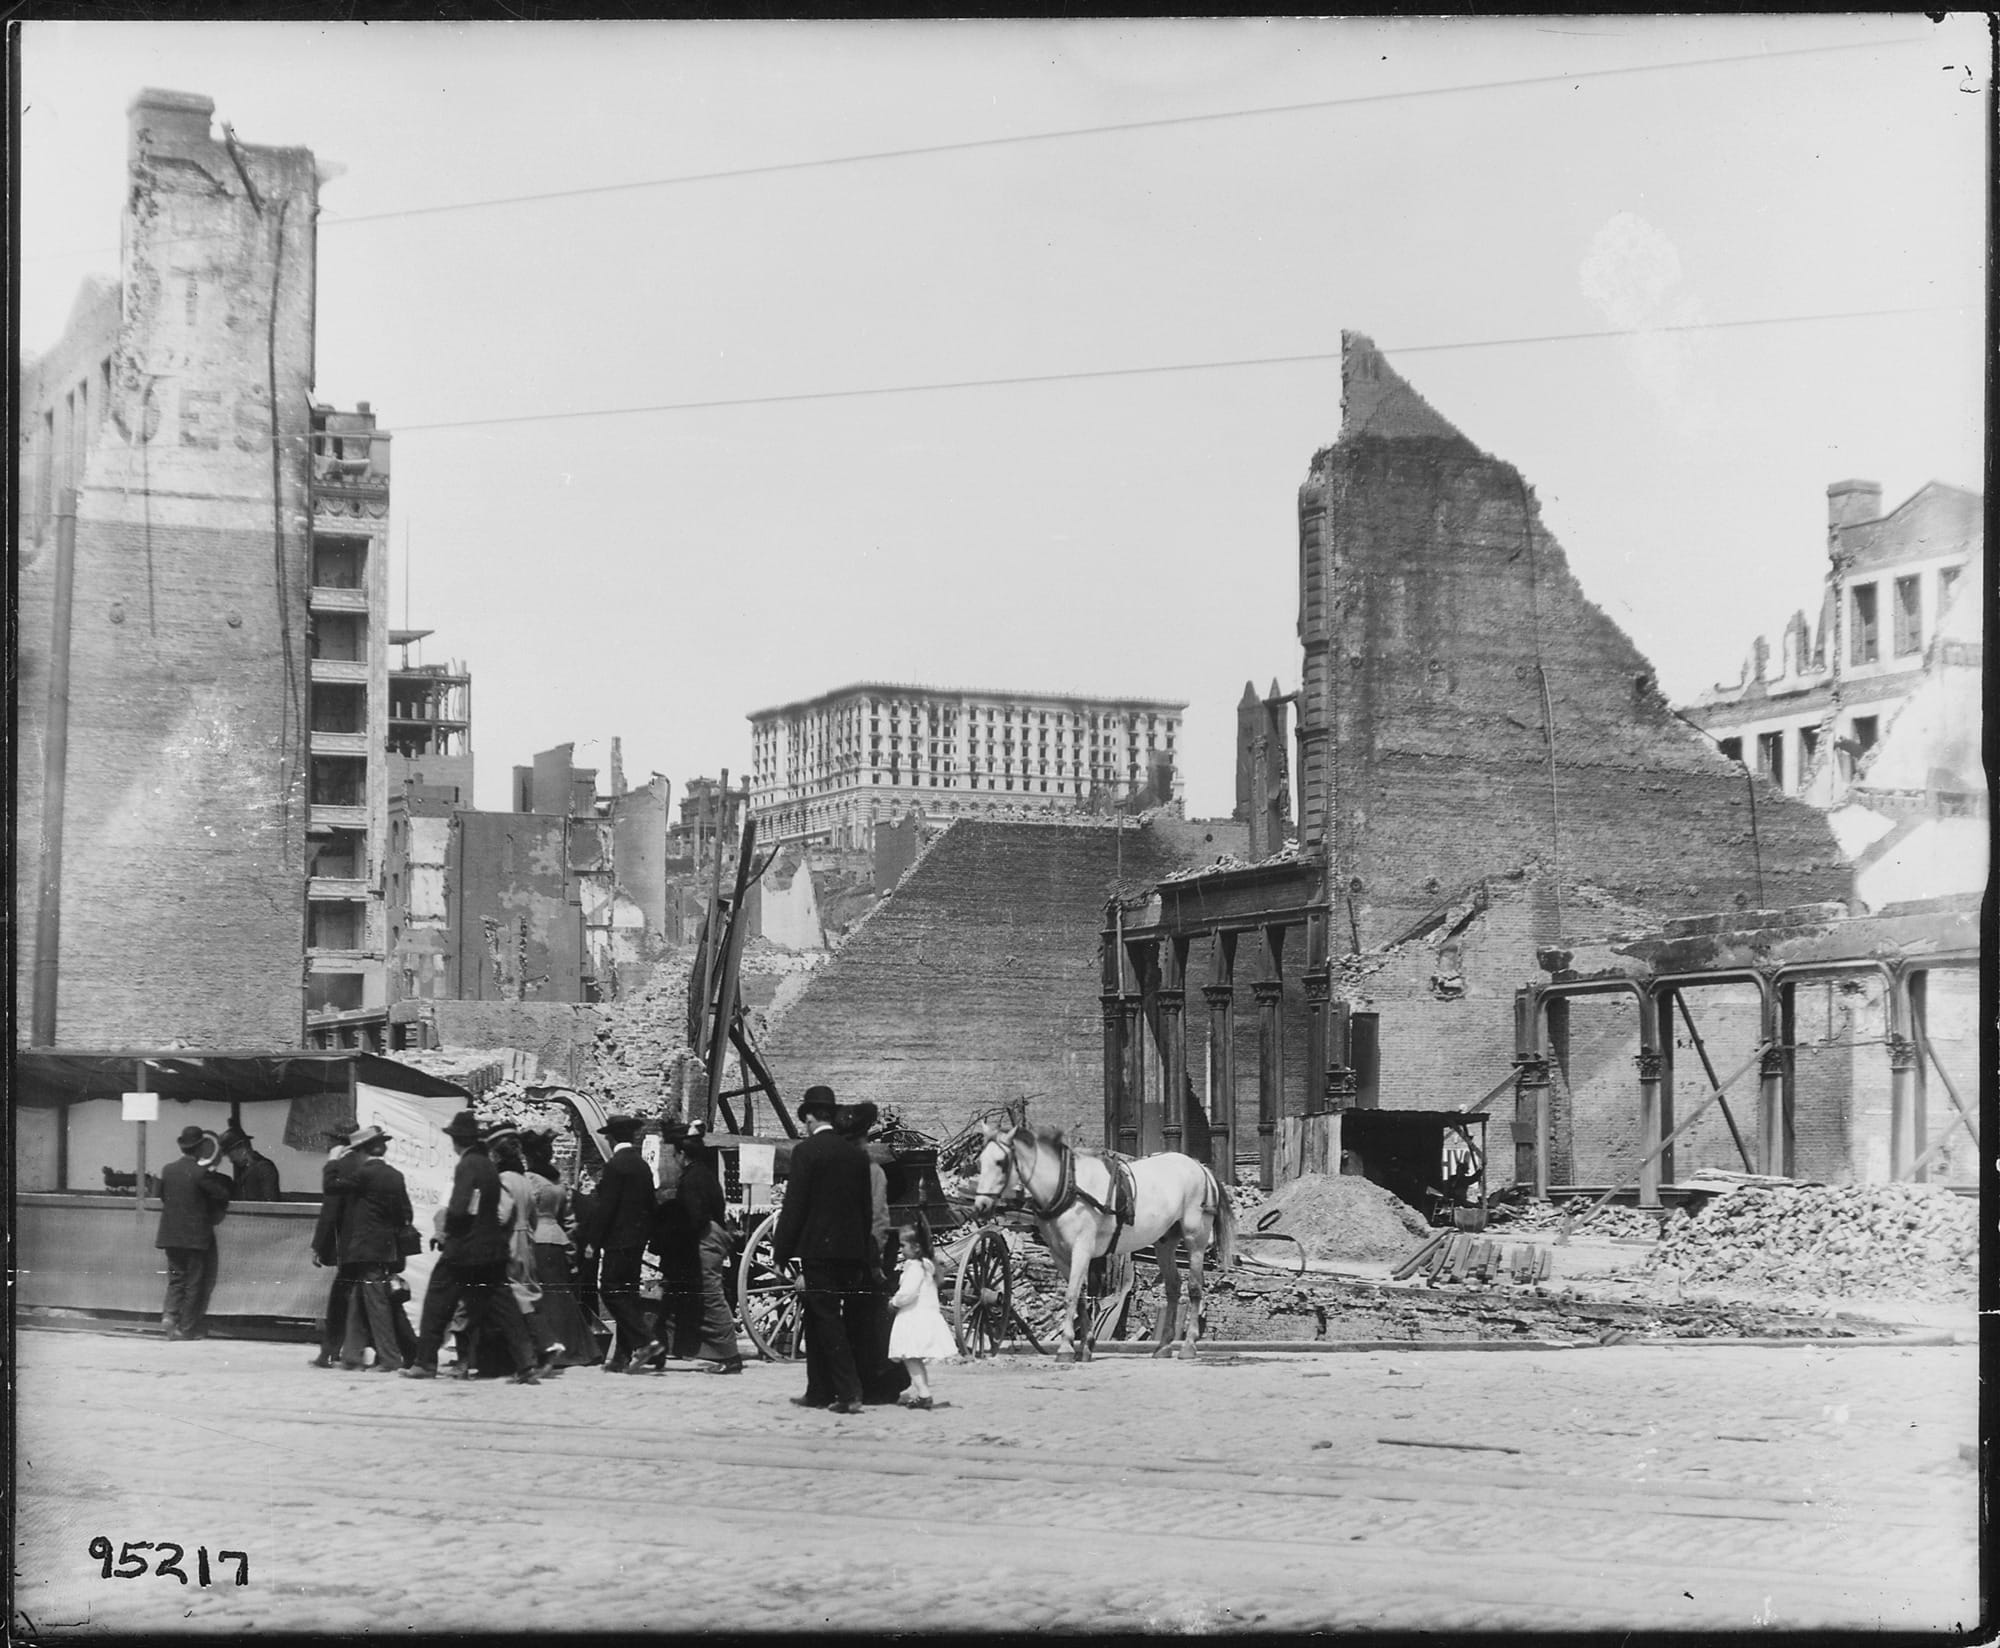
(45, 1078)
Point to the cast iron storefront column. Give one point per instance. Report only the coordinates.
(1771, 1082)
(1649, 1063)
(1270, 994)
(1531, 1097)
(1110, 1001)
(1221, 999)
(1172, 1000)
(1112, 1006)
(1132, 1099)
(1906, 1131)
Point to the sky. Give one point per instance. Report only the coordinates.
(1449, 188)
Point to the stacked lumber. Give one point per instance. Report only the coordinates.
(1832, 1240)
(1461, 1256)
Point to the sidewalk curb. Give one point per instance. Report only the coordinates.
(1326, 1347)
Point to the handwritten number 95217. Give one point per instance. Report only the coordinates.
(129, 1564)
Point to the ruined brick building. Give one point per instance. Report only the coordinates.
(1874, 712)
(973, 982)
(568, 897)
(1485, 765)
(1467, 711)
(177, 407)
(1809, 719)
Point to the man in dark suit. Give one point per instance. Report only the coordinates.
(192, 1200)
(377, 1211)
(256, 1175)
(621, 1226)
(824, 1226)
(883, 1380)
(473, 1264)
(334, 1178)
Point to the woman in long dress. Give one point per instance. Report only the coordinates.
(551, 1237)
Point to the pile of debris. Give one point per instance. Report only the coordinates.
(1341, 1216)
(1612, 1221)
(1832, 1240)
(1246, 1198)
(640, 1037)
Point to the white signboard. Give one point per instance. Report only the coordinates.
(140, 1107)
(756, 1164)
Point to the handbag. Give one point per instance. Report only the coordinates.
(409, 1241)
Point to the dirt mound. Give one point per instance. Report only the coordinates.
(1341, 1217)
(1832, 1240)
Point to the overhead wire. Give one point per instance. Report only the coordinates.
(1063, 134)
(1025, 379)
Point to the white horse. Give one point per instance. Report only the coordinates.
(1070, 1192)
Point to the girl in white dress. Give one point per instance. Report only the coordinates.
(919, 1335)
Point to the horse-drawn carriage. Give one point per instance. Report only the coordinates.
(1093, 1210)
(754, 1163)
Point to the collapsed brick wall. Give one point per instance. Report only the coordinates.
(557, 1036)
(977, 980)
(183, 873)
(1436, 611)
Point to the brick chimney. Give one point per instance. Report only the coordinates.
(1849, 503)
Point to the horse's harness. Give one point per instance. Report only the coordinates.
(1069, 1192)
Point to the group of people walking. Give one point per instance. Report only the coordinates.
(523, 1263)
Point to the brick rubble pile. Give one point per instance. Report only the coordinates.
(639, 1036)
(1833, 1240)
(1608, 1222)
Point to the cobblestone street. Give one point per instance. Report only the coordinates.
(1643, 1486)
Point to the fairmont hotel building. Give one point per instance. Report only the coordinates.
(827, 769)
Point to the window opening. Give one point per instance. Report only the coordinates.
(1866, 644)
(1909, 616)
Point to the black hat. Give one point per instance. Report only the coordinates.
(819, 1101)
(622, 1128)
(232, 1137)
(496, 1131)
(191, 1138)
(857, 1118)
(464, 1128)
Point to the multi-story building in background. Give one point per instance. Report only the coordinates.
(430, 720)
(162, 797)
(829, 769)
(347, 789)
(1810, 720)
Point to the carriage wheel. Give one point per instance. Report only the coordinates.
(982, 1302)
(769, 1306)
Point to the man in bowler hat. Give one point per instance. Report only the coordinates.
(473, 1263)
(370, 1253)
(334, 1179)
(192, 1200)
(621, 1226)
(883, 1379)
(824, 1225)
(256, 1175)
